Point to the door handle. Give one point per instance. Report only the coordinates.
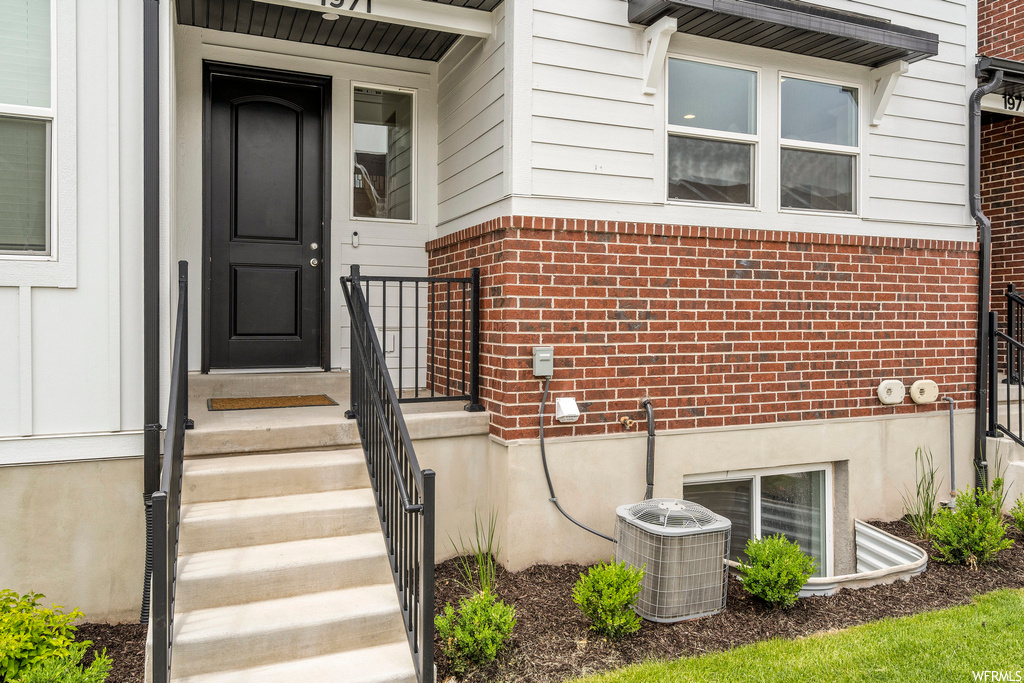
(313, 262)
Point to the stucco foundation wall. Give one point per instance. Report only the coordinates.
(75, 532)
(593, 475)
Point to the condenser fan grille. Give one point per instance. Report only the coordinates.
(677, 514)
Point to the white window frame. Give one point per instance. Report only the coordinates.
(413, 213)
(755, 475)
(704, 133)
(855, 152)
(56, 267)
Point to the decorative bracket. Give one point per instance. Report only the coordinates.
(885, 78)
(656, 38)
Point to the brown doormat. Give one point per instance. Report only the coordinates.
(270, 402)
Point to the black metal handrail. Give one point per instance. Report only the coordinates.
(404, 493)
(166, 502)
(442, 316)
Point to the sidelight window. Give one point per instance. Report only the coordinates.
(383, 176)
(26, 126)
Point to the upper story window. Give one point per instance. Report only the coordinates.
(819, 136)
(26, 126)
(725, 148)
(712, 132)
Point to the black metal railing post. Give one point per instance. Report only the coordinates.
(159, 582)
(993, 367)
(1012, 368)
(427, 610)
(474, 405)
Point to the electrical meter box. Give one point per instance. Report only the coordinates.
(543, 361)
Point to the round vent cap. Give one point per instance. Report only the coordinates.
(667, 512)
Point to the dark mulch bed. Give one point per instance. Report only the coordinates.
(552, 642)
(126, 647)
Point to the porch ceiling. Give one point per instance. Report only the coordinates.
(793, 26)
(308, 26)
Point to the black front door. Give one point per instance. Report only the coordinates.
(264, 219)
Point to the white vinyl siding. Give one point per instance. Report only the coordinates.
(594, 131)
(594, 135)
(471, 124)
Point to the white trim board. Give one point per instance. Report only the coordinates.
(37, 450)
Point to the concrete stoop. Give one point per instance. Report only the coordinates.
(282, 570)
(283, 573)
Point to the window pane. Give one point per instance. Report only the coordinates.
(732, 500)
(382, 140)
(817, 180)
(794, 505)
(710, 170)
(712, 97)
(819, 112)
(25, 52)
(24, 181)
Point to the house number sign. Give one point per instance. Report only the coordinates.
(1013, 102)
(350, 5)
(1003, 104)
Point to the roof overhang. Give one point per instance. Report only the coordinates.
(417, 29)
(793, 26)
(1008, 98)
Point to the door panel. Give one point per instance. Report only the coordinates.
(265, 209)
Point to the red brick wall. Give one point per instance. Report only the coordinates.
(718, 326)
(1002, 172)
(1001, 28)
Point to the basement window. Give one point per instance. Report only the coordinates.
(793, 502)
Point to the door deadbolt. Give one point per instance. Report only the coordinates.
(314, 246)
(313, 262)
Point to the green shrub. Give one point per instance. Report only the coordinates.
(1017, 513)
(30, 634)
(475, 633)
(777, 570)
(919, 507)
(974, 532)
(606, 594)
(69, 669)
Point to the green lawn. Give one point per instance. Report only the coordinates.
(947, 645)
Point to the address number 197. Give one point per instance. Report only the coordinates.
(1013, 102)
(340, 4)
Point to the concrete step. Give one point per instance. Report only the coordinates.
(233, 576)
(381, 664)
(260, 475)
(249, 384)
(325, 427)
(262, 521)
(294, 628)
